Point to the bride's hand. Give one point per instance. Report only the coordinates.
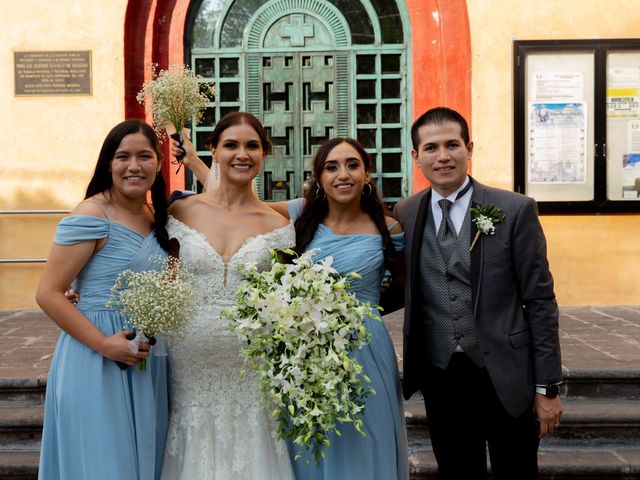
(116, 348)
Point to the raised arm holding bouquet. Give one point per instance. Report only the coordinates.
(177, 95)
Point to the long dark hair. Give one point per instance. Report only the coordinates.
(316, 206)
(238, 118)
(101, 181)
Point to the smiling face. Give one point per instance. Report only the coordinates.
(343, 174)
(134, 166)
(443, 156)
(240, 153)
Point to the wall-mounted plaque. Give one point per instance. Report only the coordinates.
(52, 73)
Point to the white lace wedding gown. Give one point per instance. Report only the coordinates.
(218, 429)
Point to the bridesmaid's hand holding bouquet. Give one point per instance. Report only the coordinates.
(156, 302)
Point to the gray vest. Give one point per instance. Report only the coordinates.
(447, 305)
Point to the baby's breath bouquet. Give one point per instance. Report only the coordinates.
(177, 95)
(301, 323)
(156, 301)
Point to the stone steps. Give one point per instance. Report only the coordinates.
(599, 438)
(19, 465)
(21, 427)
(21, 417)
(583, 463)
(617, 421)
(602, 384)
(21, 392)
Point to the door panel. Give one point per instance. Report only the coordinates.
(298, 111)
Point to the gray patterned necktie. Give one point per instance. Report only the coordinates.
(446, 232)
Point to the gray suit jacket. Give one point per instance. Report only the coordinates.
(515, 309)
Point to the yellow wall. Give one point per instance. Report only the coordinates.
(50, 144)
(594, 259)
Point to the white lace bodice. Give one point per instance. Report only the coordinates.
(210, 403)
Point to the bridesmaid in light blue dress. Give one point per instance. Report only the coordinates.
(343, 218)
(103, 422)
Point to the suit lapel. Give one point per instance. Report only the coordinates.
(416, 245)
(476, 254)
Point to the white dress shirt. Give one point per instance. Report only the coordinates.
(457, 210)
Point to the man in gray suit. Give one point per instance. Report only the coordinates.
(481, 319)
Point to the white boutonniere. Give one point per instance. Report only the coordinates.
(486, 218)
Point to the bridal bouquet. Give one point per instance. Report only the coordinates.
(156, 302)
(301, 322)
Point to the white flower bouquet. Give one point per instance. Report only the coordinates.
(177, 95)
(301, 323)
(156, 302)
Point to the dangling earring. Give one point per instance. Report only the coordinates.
(216, 172)
(319, 192)
(213, 179)
(368, 194)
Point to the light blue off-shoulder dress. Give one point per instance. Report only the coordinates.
(100, 422)
(382, 454)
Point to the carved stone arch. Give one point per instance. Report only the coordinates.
(268, 14)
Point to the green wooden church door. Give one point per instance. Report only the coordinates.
(309, 70)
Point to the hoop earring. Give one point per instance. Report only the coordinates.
(368, 194)
(320, 191)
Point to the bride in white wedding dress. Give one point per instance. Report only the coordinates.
(218, 429)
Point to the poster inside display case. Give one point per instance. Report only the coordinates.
(559, 152)
(623, 126)
(577, 124)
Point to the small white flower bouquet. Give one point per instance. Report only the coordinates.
(301, 323)
(156, 302)
(177, 94)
